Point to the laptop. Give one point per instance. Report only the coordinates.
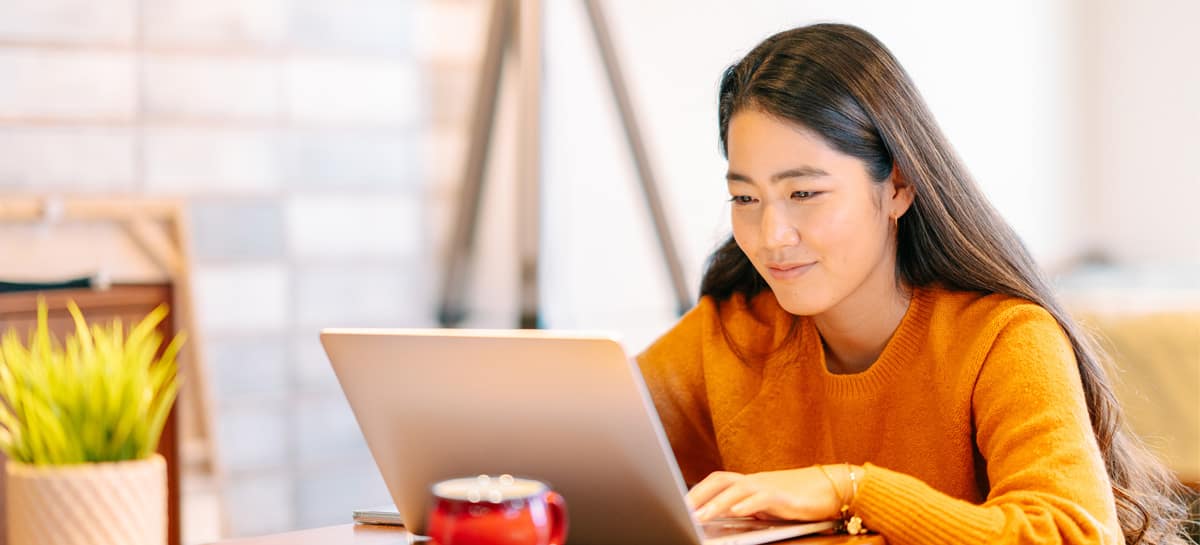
(569, 409)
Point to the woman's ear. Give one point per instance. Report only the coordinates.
(900, 193)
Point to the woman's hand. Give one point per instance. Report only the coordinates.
(792, 494)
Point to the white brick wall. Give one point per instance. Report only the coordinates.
(252, 367)
(377, 26)
(75, 85)
(228, 230)
(367, 226)
(110, 22)
(215, 23)
(254, 437)
(327, 497)
(261, 503)
(297, 133)
(241, 299)
(311, 372)
(340, 90)
(218, 87)
(197, 160)
(352, 294)
(350, 160)
(326, 432)
(79, 159)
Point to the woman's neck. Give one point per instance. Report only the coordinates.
(855, 332)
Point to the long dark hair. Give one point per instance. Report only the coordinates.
(842, 83)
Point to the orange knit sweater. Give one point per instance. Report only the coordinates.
(972, 423)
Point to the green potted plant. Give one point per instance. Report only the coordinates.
(80, 422)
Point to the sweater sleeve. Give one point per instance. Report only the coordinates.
(1048, 482)
(673, 368)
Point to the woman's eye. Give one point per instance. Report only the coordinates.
(741, 199)
(803, 195)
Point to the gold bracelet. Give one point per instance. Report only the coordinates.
(833, 483)
(845, 507)
(854, 524)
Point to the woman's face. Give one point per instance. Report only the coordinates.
(809, 217)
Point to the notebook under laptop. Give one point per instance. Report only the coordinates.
(566, 408)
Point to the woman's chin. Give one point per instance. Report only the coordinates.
(801, 304)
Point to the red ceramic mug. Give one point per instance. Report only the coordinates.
(500, 510)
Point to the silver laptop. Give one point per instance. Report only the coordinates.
(569, 409)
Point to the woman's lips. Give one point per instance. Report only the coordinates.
(788, 272)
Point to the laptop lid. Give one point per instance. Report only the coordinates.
(569, 409)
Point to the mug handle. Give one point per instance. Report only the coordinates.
(558, 517)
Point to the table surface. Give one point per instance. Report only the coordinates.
(365, 534)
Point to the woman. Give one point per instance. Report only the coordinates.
(874, 343)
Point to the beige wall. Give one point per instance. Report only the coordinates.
(1142, 108)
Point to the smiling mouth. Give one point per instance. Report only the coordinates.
(788, 272)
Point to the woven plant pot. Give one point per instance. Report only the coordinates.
(111, 503)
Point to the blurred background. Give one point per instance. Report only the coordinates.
(317, 146)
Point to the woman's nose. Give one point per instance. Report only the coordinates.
(777, 228)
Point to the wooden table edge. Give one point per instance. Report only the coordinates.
(370, 534)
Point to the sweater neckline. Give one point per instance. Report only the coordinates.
(900, 349)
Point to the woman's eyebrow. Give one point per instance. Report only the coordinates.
(798, 172)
